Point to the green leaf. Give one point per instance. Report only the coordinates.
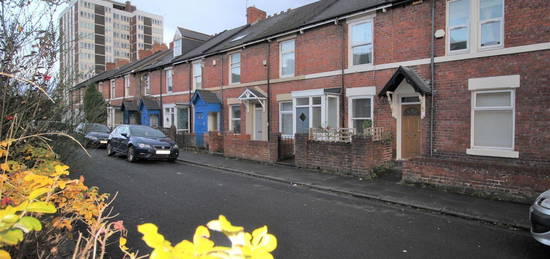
(28, 224)
(11, 237)
(41, 207)
(38, 192)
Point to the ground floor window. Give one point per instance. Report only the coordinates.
(493, 119)
(183, 119)
(315, 112)
(235, 119)
(285, 118)
(360, 112)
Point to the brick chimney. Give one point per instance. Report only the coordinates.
(121, 62)
(254, 14)
(110, 66)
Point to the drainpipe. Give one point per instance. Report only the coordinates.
(343, 58)
(190, 88)
(268, 101)
(222, 125)
(432, 77)
(161, 117)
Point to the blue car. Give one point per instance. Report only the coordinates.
(141, 142)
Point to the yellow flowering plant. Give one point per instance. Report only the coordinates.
(256, 245)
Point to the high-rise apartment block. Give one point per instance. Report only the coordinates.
(97, 32)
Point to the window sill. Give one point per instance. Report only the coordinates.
(492, 152)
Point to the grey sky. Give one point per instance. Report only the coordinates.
(209, 16)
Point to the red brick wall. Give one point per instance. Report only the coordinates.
(356, 158)
(503, 181)
(240, 146)
(214, 141)
(181, 78)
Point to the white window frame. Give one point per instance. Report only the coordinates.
(188, 108)
(474, 29)
(167, 123)
(281, 112)
(501, 19)
(169, 83)
(350, 110)
(493, 151)
(449, 28)
(113, 88)
(281, 53)
(178, 47)
(197, 76)
(368, 19)
(231, 66)
(127, 86)
(323, 105)
(231, 119)
(147, 89)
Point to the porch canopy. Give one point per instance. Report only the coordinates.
(253, 96)
(129, 106)
(412, 78)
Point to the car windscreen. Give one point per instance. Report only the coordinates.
(146, 132)
(96, 128)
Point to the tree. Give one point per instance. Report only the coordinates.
(95, 107)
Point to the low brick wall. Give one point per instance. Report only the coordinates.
(241, 146)
(513, 182)
(356, 158)
(186, 140)
(214, 142)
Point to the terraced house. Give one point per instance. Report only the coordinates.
(462, 87)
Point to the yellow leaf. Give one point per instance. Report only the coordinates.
(4, 254)
(151, 236)
(122, 244)
(223, 225)
(38, 192)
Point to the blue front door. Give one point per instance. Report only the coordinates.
(302, 120)
(201, 127)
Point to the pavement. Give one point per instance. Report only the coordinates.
(390, 190)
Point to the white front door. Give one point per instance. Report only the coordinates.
(258, 121)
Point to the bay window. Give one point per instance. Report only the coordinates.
(235, 115)
(315, 112)
(235, 68)
(287, 58)
(361, 40)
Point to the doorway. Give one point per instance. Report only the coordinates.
(258, 123)
(410, 131)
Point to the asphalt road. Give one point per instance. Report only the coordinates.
(308, 224)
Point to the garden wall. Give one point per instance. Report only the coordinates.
(356, 158)
(241, 146)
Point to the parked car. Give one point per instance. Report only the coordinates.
(539, 215)
(141, 142)
(94, 134)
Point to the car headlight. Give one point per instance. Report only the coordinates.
(175, 146)
(545, 203)
(92, 137)
(141, 145)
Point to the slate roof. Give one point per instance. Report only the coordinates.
(420, 85)
(193, 34)
(150, 103)
(207, 96)
(130, 105)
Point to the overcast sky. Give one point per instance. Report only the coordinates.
(209, 16)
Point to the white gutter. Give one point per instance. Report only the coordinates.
(291, 32)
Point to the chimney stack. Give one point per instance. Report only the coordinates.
(254, 14)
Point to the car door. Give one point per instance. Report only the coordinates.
(123, 142)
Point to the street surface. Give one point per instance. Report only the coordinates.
(308, 224)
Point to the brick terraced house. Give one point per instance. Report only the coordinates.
(463, 86)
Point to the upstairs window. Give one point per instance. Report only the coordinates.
(361, 42)
(287, 58)
(126, 86)
(177, 47)
(490, 21)
(113, 89)
(147, 83)
(169, 83)
(235, 71)
(197, 75)
(459, 24)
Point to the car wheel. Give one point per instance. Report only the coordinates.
(110, 151)
(131, 156)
